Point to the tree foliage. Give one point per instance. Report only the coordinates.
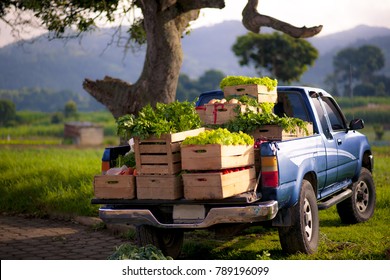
(359, 63)
(285, 58)
(357, 67)
(70, 109)
(189, 89)
(7, 112)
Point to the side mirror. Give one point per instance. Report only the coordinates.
(356, 124)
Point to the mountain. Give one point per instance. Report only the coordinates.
(62, 65)
(328, 43)
(354, 38)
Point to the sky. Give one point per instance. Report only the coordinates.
(334, 15)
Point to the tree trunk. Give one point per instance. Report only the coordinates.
(164, 27)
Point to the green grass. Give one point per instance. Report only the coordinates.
(43, 181)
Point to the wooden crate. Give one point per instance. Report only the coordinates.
(274, 132)
(159, 187)
(200, 186)
(215, 156)
(220, 113)
(257, 91)
(114, 186)
(161, 155)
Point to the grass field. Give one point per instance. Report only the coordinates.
(55, 180)
(45, 180)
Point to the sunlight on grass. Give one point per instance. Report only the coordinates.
(42, 180)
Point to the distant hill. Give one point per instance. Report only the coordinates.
(64, 65)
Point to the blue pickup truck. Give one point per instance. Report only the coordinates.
(298, 177)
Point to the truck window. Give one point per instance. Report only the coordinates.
(291, 104)
(336, 119)
(322, 118)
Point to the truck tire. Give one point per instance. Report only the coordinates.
(169, 241)
(361, 205)
(302, 236)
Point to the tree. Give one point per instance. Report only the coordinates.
(7, 112)
(189, 90)
(357, 65)
(210, 80)
(285, 58)
(70, 109)
(161, 26)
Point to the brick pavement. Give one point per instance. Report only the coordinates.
(47, 239)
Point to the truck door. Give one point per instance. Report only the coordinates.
(345, 141)
(327, 155)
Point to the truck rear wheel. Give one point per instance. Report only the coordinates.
(360, 206)
(169, 241)
(302, 235)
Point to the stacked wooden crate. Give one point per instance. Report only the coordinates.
(158, 164)
(277, 133)
(220, 113)
(114, 186)
(217, 171)
(262, 93)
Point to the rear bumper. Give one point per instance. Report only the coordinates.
(257, 212)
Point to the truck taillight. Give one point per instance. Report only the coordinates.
(106, 161)
(105, 166)
(269, 171)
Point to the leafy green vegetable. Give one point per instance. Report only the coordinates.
(249, 121)
(219, 136)
(131, 252)
(164, 118)
(242, 80)
(128, 160)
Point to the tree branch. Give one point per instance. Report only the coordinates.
(110, 92)
(253, 21)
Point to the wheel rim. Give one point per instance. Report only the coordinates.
(308, 219)
(362, 196)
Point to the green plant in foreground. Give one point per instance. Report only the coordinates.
(131, 252)
(249, 121)
(164, 118)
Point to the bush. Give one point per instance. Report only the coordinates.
(364, 90)
(57, 118)
(7, 112)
